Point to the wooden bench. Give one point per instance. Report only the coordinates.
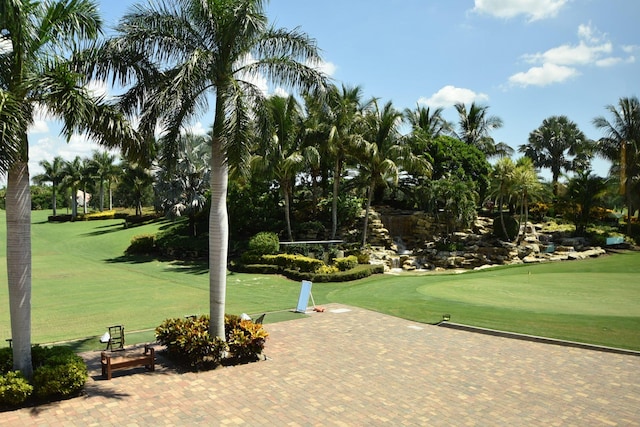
(122, 359)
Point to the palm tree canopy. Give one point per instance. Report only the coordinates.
(555, 145)
(474, 127)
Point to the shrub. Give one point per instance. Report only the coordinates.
(359, 272)
(346, 263)
(295, 262)
(14, 389)
(143, 244)
(189, 343)
(264, 243)
(6, 360)
(510, 225)
(98, 215)
(246, 339)
(63, 375)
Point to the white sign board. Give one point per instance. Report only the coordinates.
(303, 299)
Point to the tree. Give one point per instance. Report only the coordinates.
(177, 54)
(526, 186)
(502, 177)
(33, 72)
(104, 170)
(474, 127)
(53, 173)
(427, 124)
(558, 144)
(182, 189)
(343, 117)
(382, 152)
(280, 152)
(621, 145)
(73, 179)
(585, 190)
(136, 180)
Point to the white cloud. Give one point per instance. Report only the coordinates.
(195, 129)
(450, 95)
(609, 62)
(97, 88)
(533, 9)
(543, 76)
(328, 68)
(38, 126)
(561, 63)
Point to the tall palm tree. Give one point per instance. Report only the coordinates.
(621, 145)
(179, 53)
(502, 177)
(137, 180)
(428, 124)
(343, 118)
(558, 144)
(104, 169)
(74, 177)
(53, 173)
(280, 152)
(382, 152)
(36, 37)
(474, 127)
(585, 190)
(526, 185)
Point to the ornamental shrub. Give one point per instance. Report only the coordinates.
(246, 339)
(14, 389)
(188, 342)
(293, 262)
(346, 263)
(264, 243)
(61, 376)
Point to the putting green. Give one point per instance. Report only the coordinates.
(559, 293)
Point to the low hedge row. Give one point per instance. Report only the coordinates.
(359, 272)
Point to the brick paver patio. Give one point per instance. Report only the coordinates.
(353, 367)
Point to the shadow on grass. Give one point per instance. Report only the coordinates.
(111, 228)
(191, 267)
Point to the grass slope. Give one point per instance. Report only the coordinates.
(82, 283)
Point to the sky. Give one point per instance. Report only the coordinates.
(526, 60)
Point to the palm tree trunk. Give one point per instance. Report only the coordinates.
(101, 195)
(334, 202)
(218, 239)
(84, 200)
(74, 203)
(54, 199)
(287, 211)
(366, 215)
(18, 206)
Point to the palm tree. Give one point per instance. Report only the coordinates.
(36, 36)
(621, 145)
(382, 152)
(182, 188)
(526, 185)
(502, 185)
(426, 123)
(53, 173)
(177, 54)
(343, 118)
(74, 178)
(474, 128)
(105, 171)
(552, 143)
(280, 153)
(584, 190)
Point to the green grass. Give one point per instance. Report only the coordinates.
(82, 283)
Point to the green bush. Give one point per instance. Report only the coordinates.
(294, 262)
(510, 224)
(62, 376)
(346, 263)
(143, 244)
(189, 343)
(57, 373)
(14, 389)
(359, 272)
(264, 243)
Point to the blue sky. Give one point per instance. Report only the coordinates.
(525, 59)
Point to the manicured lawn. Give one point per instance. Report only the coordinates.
(82, 283)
